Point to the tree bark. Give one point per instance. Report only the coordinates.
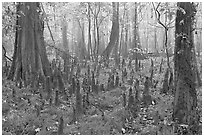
(185, 101)
(136, 37)
(114, 34)
(30, 51)
(66, 48)
(122, 29)
(12, 69)
(125, 51)
(89, 32)
(117, 41)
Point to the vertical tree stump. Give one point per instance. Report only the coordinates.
(61, 126)
(117, 80)
(124, 100)
(73, 86)
(130, 99)
(165, 87)
(146, 97)
(160, 66)
(56, 98)
(151, 72)
(146, 86)
(48, 89)
(78, 101)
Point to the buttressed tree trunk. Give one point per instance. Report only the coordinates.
(185, 101)
(30, 51)
(114, 33)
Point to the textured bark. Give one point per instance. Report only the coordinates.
(116, 55)
(12, 70)
(185, 101)
(89, 32)
(66, 49)
(30, 55)
(136, 29)
(79, 109)
(114, 34)
(61, 126)
(81, 49)
(165, 87)
(151, 72)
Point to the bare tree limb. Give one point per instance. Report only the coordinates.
(158, 16)
(48, 25)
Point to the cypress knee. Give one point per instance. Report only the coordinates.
(124, 99)
(78, 100)
(117, 80)
(48, 90)
(56, 98)
(61, 126)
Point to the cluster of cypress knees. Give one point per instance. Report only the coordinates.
(83, 86)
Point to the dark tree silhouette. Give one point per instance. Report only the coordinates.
(29, 56)
(185, 102)
(114, 32)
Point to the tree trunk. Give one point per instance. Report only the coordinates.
(136, 37)
(82, 52)
(117, 41)
(13, 65)
(114, 34)
(185, 101)
(122, 28)
(30, 54)
(98, 40)
(125, 52)
(66, 49)
(95, 40)
(89, 32)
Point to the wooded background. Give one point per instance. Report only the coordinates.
(102, 68)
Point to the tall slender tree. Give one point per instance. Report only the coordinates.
(136, 40)
(89, 31)
(116, 55)
(66, 54)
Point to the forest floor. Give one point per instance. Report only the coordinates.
(107, 115)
